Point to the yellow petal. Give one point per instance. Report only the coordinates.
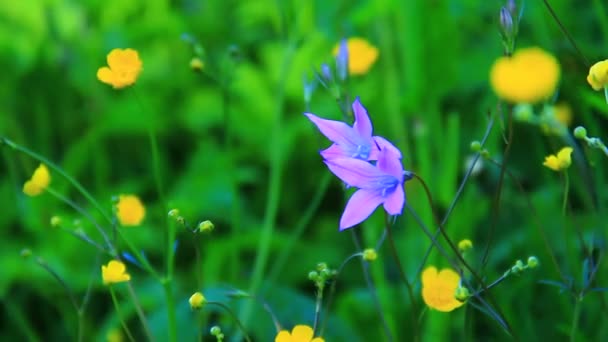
(564, 156)
(105, 75)
(301, 333)
(429, 276)
(283, 336)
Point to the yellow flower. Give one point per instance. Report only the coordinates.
(530, 75)
(114, 272)
(560, 161)
(439, 288)
(123, 68)
(129, 210)
(598, 75)
(361, 55)
(197, 300)
(40, 180)
(300, 333)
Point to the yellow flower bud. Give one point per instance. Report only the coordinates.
(206, 226)
(370, 254)
(464, 245)
(197, 300)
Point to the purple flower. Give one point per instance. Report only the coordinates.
(378, 184)
(352, 142)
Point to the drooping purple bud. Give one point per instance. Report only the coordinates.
(342, 61)
(506, 22)
(326, 73)
(512, 7)
(309, 88)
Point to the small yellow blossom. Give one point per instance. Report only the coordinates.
(361, 55)
(529, 76)
(114, 335)
(197, 300)
(129, 210)
(598, 75)
(560, 161)
(439, 289)
(465, 245)
(124, 66)
(40, 180)
(114, 272)
(370, 254)
(300, 333)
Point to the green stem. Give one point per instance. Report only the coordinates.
(566, 190)
(60, 171)
(318, 305)
(274, 186)
(410, 291)
(171, 314)
(234, 317)
(575, 318)
(120, 318)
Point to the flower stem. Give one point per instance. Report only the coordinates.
(169, 297)
(410, 291)
(120, 318)
(566, 190)
(234, 317)
(577, 312)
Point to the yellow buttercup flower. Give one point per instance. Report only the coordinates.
(129, 210)
(529, 76)
(300, 333)
(114, 272)
(197, 300)
(361, 55)
(439, 288)
(123, 68)
(560, 161)
(598, 75)
(41, 178)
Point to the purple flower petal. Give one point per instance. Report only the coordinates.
(361, 204)
(356, 172)
(336, 131)
(393, 203)
(389, 162)
(380, 144)
(362, 124)
(332, 152)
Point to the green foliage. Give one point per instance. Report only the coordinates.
(235, 149)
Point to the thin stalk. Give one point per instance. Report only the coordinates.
(58, 170)
(120, 318)
(372, 288)
(566, 189)
(318, 306)
(234, 317)
(575, 318)
(171, 314)
(140, 312)
(410, 290)
(274, 186)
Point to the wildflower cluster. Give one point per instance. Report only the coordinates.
(369, 163)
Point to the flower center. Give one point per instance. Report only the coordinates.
(361, 151)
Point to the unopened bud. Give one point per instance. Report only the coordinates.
(342, 60)
(532, 262)
(26, 253)
(465, 245)
(475, 146)
(196, 64)
(206, 226)
(370, 254)
(462, 294)
(173, 213)
(55, 221)
(580, 132)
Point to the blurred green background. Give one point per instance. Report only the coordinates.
(235, 149)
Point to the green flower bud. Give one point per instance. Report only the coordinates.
(462, 293)
(215, 330)
(26, 253)
(173, 213)
(313, 275)
(370, 254)
(55, 221)
(532, 262)
(321, 266)
(206, 226)
(475, 146)
(580, 132)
